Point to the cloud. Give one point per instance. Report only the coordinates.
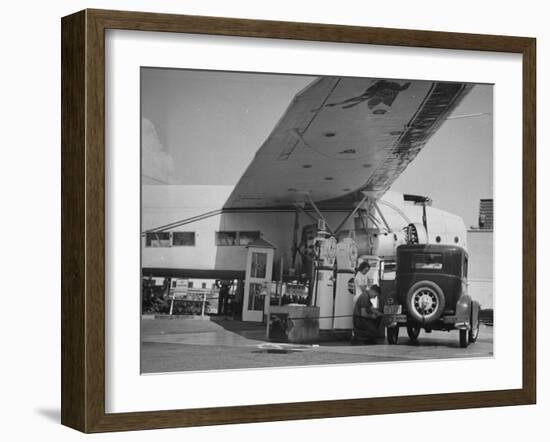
(157, 165)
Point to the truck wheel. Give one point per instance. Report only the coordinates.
(425, 302)
(392, 335)
(463, 335)
(474, 330)
(413, 331)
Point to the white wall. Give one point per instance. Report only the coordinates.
(164, 204)
(30, 107)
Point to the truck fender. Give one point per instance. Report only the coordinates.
(476, 307)
(463, 309)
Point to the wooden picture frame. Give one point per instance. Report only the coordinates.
(83, 220)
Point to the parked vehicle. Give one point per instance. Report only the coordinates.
(431, 293)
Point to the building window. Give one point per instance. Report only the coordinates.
(259, 265)
(157, 239)
(256, 297)
(203, 285)
(246, 238)
(236, 238)
(183, 239)
(190, 285)
(226, 238)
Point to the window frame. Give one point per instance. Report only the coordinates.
(237, 234)
(174, 233)
(148, 242)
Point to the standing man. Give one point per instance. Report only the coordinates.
(224, 287)
(361, 280)
(366, 276)
(372, 278)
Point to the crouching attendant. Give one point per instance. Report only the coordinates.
(366, 318)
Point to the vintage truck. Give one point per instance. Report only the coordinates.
(426, 288)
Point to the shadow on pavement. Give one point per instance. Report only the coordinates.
(249, 330)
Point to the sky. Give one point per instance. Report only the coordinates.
(201, 127)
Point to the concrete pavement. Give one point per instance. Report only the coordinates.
(169, 345)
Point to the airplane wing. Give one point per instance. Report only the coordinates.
(340, 136)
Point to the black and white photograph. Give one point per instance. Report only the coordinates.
(292, 220)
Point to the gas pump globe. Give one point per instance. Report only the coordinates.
(346, 259)
(328, 251)
(325, 246)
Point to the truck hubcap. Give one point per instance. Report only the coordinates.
(425, 302)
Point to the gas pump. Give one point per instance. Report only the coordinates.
(346, 258)
(325, 248)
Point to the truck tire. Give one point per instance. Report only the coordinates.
(474, 326)
(463, 338)
(425, 302)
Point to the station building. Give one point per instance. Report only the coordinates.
(201, 244)
(480, 249)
